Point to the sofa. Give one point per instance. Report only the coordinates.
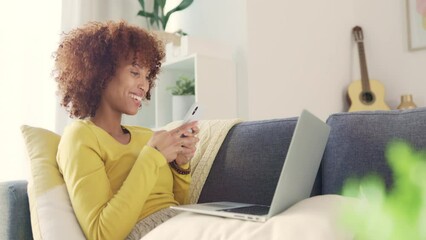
(248, 163)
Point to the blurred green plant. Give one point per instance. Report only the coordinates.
(400, 212)
(184, 86)
(158, 17)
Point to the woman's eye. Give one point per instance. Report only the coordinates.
(135, 74)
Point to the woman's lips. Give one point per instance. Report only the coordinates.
(137, 99)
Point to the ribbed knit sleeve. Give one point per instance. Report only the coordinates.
(103, 214)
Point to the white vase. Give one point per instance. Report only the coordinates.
(181, 104)
(167, 37)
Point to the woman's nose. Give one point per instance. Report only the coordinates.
(144, 85)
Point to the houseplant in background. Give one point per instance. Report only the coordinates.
(158, 18)
(395, 213)
(183, 96)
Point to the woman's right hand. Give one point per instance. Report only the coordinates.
(171, 143)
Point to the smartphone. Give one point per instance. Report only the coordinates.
(193, 114)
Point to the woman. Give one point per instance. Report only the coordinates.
(117, 175)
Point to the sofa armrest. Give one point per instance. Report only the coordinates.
(14, 211)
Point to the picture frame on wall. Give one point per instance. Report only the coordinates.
(416, 14)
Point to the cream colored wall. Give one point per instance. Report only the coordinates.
(299, 57)
(312, 56)
(293, 55)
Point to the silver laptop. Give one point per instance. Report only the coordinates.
(296, 180)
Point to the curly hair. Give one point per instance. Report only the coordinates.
(87, 59)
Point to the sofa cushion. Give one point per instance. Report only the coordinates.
(52, 216)
(358, 140)
(249, 162)
(14, 211)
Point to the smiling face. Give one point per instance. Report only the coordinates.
(126, 90)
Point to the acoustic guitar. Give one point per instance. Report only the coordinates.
(365, 94)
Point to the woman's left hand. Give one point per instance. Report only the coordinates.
(190, 139)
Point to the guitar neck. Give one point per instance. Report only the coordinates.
(363, 65)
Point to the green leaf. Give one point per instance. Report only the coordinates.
(395, 213)
(146, 14)
(156, 8)
(158, 17)
(162, 3)
(157, 14)
(183, 5)
(142, 3)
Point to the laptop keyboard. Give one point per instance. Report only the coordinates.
(254, 210)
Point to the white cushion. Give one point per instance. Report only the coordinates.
(313, 218)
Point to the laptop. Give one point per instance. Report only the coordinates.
(296, 179)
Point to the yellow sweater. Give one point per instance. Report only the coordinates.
(112, 185)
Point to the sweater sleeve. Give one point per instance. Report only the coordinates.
(181, 185)
(102, 214)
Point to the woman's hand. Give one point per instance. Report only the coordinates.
(189, 146)
(179, 141)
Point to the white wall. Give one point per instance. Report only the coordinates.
(28, 36)
(301, 60)
(223, 21)
(294, 55)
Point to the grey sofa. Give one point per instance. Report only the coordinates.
(248, 163)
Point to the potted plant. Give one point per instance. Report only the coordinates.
(158, 18)
(183, 96)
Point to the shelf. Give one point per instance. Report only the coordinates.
(182, 63)
(215, 90)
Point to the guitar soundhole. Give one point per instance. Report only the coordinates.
(367, 97)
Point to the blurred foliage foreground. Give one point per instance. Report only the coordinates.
(394, 214)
